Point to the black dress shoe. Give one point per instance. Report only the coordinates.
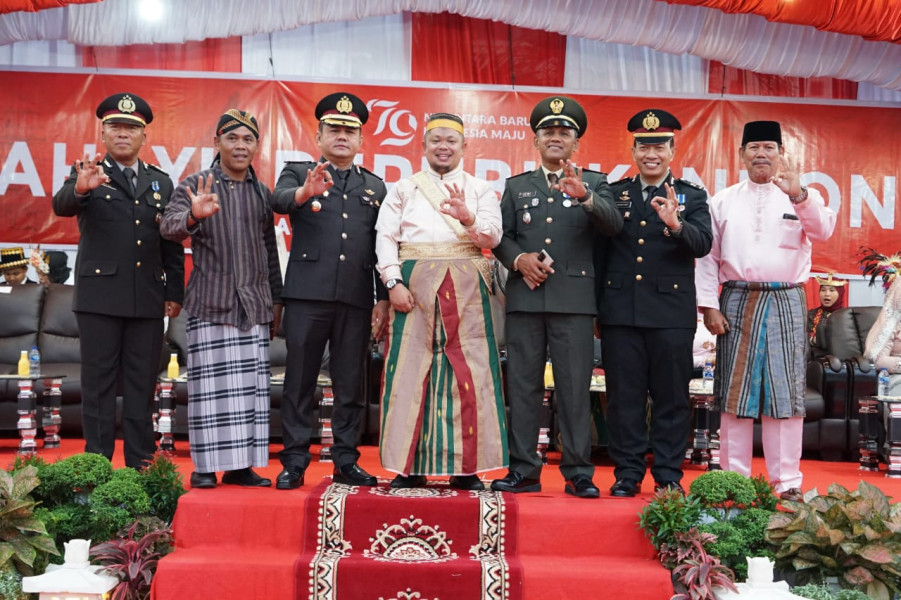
(581, 486)
(289, 479)
(353, 475)
(245, 477)
(466, 482)
(402, 482)
(515, 483)
(669, 485)
(203, 480)
(625, 488)
(792, 495)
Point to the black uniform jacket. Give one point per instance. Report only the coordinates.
(124, 267)
(535, 220)
(332, 237)
(646, 274)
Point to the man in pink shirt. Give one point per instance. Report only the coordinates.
(763, 229)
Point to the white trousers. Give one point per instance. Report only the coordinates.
(781, 448)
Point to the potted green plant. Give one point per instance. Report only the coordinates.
(852, 535)
(699, 572)
(724, 491)
(24, 542)
(668, 513)
(132, 557)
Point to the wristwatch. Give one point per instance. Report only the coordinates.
(392, 282)
(800, 197)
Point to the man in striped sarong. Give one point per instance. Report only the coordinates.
(762, 233)
(442, 399)
(233, 306)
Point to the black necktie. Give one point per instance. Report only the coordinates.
(130, 178)
(552, 179)
(652, 191)
(341, 179)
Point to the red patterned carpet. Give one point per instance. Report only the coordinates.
(243, 543)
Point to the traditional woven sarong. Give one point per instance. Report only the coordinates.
(442, 398)
(228, 396)
(760, 362)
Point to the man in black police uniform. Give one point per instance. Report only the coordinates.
(647, 307)
(329, 287)
(127, 278)
(556, 209)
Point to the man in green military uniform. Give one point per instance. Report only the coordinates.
(647, 307)
(552, 214)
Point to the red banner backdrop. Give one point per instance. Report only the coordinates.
(48, 121)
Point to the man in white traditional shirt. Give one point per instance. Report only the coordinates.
(763, 229)
(442, 400)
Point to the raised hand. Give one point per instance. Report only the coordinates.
(786, 177)
(455, 205)
(317, 182)
(571, 182)
(90, 174)
(668, 208)
(204, 203)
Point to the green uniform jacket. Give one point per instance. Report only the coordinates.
(535, 220)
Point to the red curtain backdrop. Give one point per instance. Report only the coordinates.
(8, 6)
(457, 49)
(872, 19)
(729, 80)
(220, 55)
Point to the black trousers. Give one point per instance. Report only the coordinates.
(308, 326)
(639, 362)
(110, 347)
(571, 343)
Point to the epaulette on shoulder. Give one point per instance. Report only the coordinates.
(155, 168)
(300, 162)
(623, 180)
(365, 170)
(520, 175)
(692, 184)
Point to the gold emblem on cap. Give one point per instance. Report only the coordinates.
(650, 122)
(556, 106)
(126, 104)
(344, 105)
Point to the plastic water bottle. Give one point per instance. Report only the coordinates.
(883, 382)
(34, 362)
(708, 373)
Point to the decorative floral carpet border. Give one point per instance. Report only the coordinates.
(431, 543)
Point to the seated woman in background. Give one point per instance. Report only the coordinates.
(832, 298)
(883, 346)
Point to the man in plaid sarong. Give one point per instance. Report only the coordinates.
(233, 306)
(763, 230)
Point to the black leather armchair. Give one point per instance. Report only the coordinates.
(842, 374)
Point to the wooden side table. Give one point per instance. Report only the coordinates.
(870, 425)
(704, 447)
(51, 403)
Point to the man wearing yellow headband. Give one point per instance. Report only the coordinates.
(442, 402)
(553, 212)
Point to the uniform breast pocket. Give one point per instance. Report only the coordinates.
(98, 268)
(675, 284)
(304, 255)
(614, 280)
(790, 234)
(524, 219)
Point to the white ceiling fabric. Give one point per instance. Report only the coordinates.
(740, 40)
